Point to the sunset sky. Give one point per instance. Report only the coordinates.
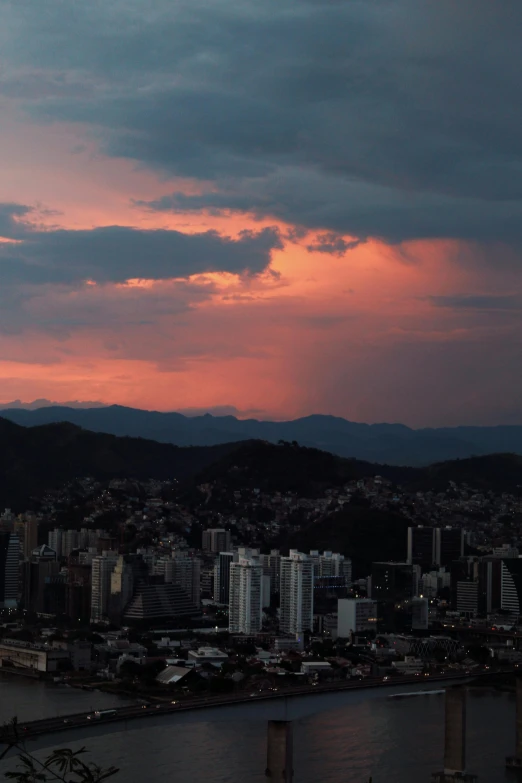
(281, 207)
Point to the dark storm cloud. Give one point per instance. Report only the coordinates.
(392, 118)
(479, 302)
(119, 253)
(332, 244)
(10, 215)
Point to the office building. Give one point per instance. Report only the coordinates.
(421, 546)
(449, 545)
(467, 602)
(38, 572)
(155, 602)
(393, 582)
(222, 577)
(246, 596)
(102, 568)
(9, 563)
(55, 540)
(355, 615)
(78, 596)
(465, 569)
(30, 535)
(216, 540)
(296, 593)
(490, 585)
(511, 585)
(419, 614)
(439, 546)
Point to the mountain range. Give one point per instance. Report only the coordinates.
(393, 444)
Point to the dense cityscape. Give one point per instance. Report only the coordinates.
(152, 587)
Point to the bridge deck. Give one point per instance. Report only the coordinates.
(287, 704)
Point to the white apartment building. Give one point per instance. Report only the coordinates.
(334, 564)
(245, 610)
(296, 593)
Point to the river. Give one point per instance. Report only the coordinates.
(393, 740)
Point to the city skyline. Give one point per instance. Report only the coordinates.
(334, 228)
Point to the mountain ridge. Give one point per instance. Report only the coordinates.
(394, 444)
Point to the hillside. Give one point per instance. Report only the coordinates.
(287, 467)
(393, 444)
(366, 533)
(35, 459)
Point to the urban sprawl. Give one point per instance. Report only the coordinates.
(133, 586)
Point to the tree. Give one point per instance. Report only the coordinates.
(61, 766)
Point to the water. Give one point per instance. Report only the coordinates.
(394, 740)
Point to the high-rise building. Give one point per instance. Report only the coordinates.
(272, 567)
(216, 540)
(449, 544)
(467, 597)
(9, 564)
(246, 596)
(70, 542)
(421, 546)
(334, 564)
(393, 582)
(419, 614)
(122, 588)
(490, 585)
(511, 585)
(429, 546)
(465, 569)
(296, 593)
(78, 590)
(222, 577)
(355, 615)
(30, 535)
(55, 540)
(102, 568)
(39, 572)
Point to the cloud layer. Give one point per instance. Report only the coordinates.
(392, 119)
(289, 206)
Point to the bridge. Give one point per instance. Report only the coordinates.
(279, 709)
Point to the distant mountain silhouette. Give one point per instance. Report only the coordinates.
(43, 403)
(393, 444)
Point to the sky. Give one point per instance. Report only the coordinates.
(269, 208)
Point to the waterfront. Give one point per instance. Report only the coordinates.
(394, 740)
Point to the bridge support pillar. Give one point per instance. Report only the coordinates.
(279, 756)
(454, 739)
(514, 763)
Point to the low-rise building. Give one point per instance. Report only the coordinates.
(208, 655)
(315, 667)
(31, 657)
